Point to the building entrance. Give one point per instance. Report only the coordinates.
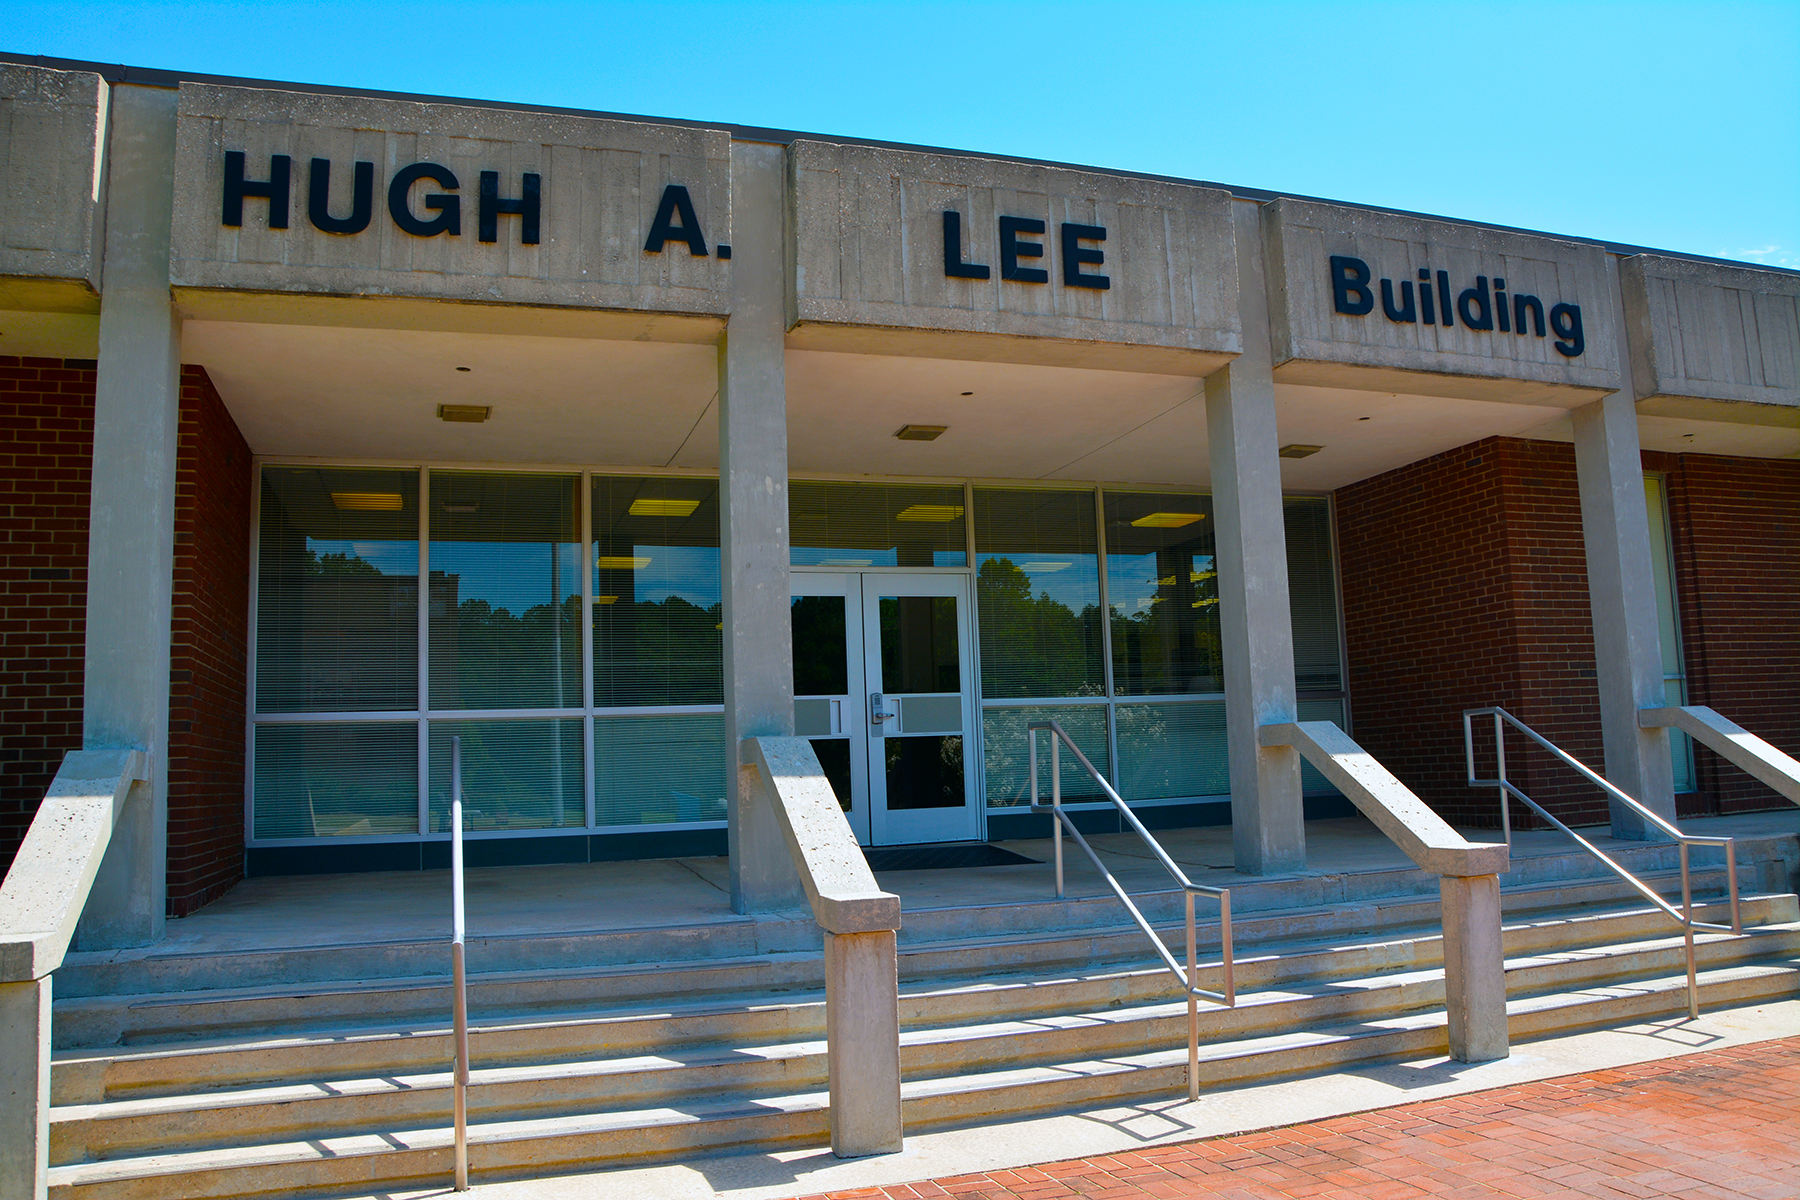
(884, 688)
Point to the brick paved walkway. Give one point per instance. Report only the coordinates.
(1699, 1127)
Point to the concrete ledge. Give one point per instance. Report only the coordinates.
(1426, 837)
(1731, 740)
(49, 882)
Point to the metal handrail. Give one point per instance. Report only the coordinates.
(1190, 979)
(1683, 916)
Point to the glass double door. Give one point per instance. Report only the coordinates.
(884, 689)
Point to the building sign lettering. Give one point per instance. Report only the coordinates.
(1520, 314)
(1015, 233)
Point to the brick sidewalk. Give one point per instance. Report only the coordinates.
(1703, 1126)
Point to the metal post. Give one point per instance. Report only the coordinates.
(1225, 947)
(1687, 913)
(1193, 981)
(1500, 766)
(460, 997)
(1731, 880)
(1056, 806)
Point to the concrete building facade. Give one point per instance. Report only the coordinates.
(338, 425)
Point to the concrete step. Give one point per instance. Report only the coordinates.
(416, 1156)
(93, 1075)
(323, 1005)
(679, 1079)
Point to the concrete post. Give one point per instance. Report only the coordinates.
(1474, 967)
(1268, 826)
(131, 530)
(759, 656)
(862, 1042)
(25, 1088)
(1615, 527)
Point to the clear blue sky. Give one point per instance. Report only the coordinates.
(1675, 126)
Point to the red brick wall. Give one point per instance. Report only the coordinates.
(1736, 529)
(46, 442)
(208, 650)
(1465, 584)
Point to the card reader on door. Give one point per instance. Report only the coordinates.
(884, 709)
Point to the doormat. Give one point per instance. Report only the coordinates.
(937, 858)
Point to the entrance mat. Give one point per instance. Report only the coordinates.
(936, 858)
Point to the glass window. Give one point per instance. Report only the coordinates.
(855, 525)
(1163, 589)
(1038, 594)
(515, 774)
(337, 591)
(1007, 755)
(339, 780)
(1312, 594)
(505, 591)
(1668, 624)
(657, 600)
(658, 769)
(1168, 751)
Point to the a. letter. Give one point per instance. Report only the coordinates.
(663, 230)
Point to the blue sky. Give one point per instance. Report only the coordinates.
(1675, 126)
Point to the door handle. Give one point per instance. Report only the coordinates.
(876, 713)
(884, 708)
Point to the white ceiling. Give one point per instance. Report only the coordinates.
(339, 392)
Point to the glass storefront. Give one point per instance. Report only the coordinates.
(571, 636)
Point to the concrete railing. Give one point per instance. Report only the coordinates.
(1731, 741)
(40, 905)
(862, 971)
(1469, 880)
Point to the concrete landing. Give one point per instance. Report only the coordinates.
(569, 899)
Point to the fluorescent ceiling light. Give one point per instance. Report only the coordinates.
(1296, 450)
(622, 562)
(1167, 520)
(647, 507)
(848, 562)
(606, 599)
(930, 512)
(367, 501)
(920, 433)
(473, 414)
(1043, 568)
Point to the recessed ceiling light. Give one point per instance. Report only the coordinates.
(1362, 418)
(647, 506)
(920, 433)
(475, 414)
(367, 501)
(1167, 520)
(622, 562)
(1296, 450)
(968, 393)
(463, 368)
(930, 512)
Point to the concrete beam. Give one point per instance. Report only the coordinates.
(862, 1040)
(1615, 529)
(131, 523)
(753, 522)
(1267, 823)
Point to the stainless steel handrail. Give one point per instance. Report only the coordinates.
(1190, 979)
(1685, 915)
(459, 980)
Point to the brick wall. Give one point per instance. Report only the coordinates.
(1736, 528)
(46, 443)
(208, 650)
(1465, 584)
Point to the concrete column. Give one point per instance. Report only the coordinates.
(131, 530)
(25, 1088)
(1615, 527)
(862, 1042)
(1268, 828)
(753, 527)
(1474, 967)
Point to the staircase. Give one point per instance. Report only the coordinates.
(223, 1080)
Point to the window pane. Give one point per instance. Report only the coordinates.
(1163, 588)
(1311, 782)
(1312, 594)
(515, 774)
(1172, 750)
(821, 645)
(654, 770)
(1038, 594)
(918, 644)
(876, 525)
(505, 591)
(337, 591)
(657, 607)
(1007, 761)
(336, 780)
